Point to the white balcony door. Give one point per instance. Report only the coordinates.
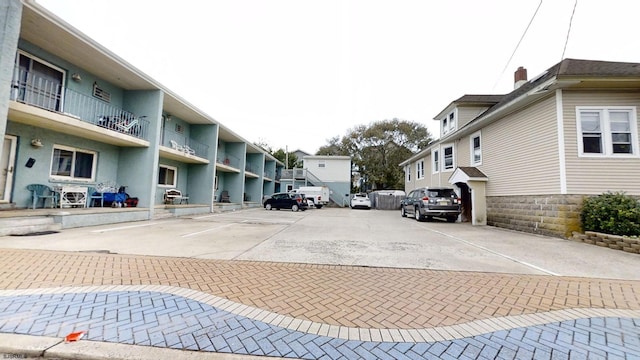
(7, 162)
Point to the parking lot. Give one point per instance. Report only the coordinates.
(342, 236)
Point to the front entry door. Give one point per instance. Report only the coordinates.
(7, 162)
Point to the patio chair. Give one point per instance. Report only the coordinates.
(175, 146)
(44, 192)
(224, 197)
(95, 195)
(189, 150)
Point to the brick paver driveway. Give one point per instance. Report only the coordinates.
(316, 311)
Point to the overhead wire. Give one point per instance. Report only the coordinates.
(518, 45)
(569, 30)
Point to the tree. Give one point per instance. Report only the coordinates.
(279, 154)
(377, 150)
(290, 159)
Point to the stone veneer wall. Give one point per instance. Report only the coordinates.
(551, 215)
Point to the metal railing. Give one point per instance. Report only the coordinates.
(31, 89)
(228, 160)
(183, 143)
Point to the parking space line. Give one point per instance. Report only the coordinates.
(207, 230)
(123, 227)
(495, 252)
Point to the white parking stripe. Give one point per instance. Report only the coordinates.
(207, 230)
(495, 252)
(123, 227)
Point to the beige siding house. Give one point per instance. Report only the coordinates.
(526, 160)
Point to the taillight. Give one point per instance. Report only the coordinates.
(426, 198)
(457, 201)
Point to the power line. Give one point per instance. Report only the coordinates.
(516, 48)
(569, 30)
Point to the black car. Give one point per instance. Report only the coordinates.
(425, 203)
(291, 201)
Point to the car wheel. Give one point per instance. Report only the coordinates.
(403, 212)
(294, 207)
(318, 206)
(419, 216)
(452, 219)
(267, 206)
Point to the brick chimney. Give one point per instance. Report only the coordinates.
(519, 77)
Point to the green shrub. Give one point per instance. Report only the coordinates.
(611, 213)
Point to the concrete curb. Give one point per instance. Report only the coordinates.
(27, 346)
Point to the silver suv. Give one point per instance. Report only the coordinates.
(425, 203)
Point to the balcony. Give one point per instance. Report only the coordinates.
(183, 148)
(251, 170)
(228, 163)
(44, 103)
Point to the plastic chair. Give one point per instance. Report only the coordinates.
(95, 195)
(224, 197)
(44, 192)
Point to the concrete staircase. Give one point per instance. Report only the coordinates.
(27, 225)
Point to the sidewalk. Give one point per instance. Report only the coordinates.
(217, 308)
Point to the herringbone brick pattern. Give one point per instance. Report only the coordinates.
(335, 295)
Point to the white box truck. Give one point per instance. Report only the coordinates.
(319, 194)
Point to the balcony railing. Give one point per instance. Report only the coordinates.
(183, 143)
(31, 89)
(228, 160)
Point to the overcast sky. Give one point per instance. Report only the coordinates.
(295, 73)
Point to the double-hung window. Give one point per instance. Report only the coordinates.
(448, 157)
(420, 169)
(449, 123)
(69, 163)
(476, 149)
(168, 175)
(607, 131)
(435, 156)
(407, 170)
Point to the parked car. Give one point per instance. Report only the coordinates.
(279, 201)
(360, 200)
(425, 203)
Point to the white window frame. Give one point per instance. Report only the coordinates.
(449, 122)
(49, 65)
(435, 161)
(453, 157)
(605, 128)
(71, 177)
(407, 170)
(420, 170)
(175, 176)
(473, 149)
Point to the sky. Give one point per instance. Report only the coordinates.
(293, 74)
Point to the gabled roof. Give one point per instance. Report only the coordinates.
(473, 100)
(568, 72)
(571, 69)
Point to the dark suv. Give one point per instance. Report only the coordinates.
(291, 201)
(425, 203)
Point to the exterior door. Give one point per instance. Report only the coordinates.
(7, 167)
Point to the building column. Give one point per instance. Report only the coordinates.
(10, 19)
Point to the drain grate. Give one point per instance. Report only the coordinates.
(37, 233)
